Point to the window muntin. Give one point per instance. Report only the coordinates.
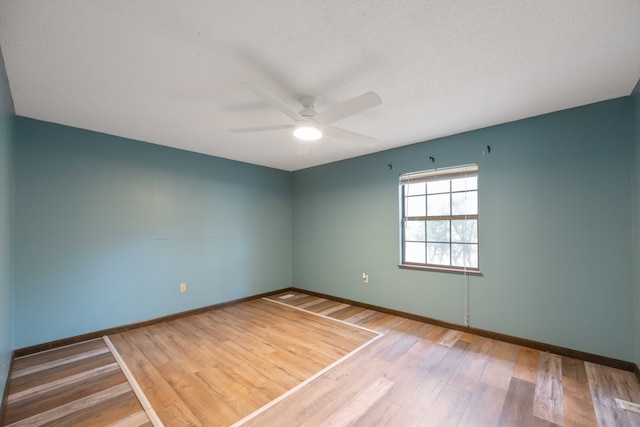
(440, 219)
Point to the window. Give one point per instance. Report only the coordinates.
(440, 219)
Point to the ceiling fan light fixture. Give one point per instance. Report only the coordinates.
(307, 131)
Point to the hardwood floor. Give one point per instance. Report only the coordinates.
(273, 362)
(214, 368)
(423, 375)
(77, 385)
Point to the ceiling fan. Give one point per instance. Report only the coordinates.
(309, 125)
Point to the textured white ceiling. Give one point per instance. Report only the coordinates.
(169, 72)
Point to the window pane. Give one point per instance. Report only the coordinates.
(464, 255)
(439, 204)
(415, 189)
(438, 186)
(440, 222)
(414, 252)
(416, 206)
(464, 231)
(414, 230)
(464, 184)
(438, 253)
(464, 203)
(438, 231)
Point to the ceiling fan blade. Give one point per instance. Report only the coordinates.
(267, 97)
(349, 136)
(260, 128)
(346, 109)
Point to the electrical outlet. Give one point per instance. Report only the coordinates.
(365, 278)
(183, 287)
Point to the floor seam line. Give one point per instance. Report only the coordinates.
(305, 382)
(146, 405)
(324, 316)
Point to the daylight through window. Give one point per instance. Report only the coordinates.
(440, 219)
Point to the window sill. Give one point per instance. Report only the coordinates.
(440, 269)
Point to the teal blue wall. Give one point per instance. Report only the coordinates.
(555, 221)
(635, 134)
(107, 229)
(6, 229)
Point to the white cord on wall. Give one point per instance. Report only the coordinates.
(466, 300)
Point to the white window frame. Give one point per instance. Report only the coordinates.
(470, 217)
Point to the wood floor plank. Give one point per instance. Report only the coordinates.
(156, 387)
(347, 312)
(58, 397)
(108, 410)
(62, 371)
(578, 409)
(299, 299)
(58, 362)
(313, 302)
(57, 353)
(333, 309)
(441, 372)
(411, 369)
(137, 419)
(500, 368)
(467, 337)
(289, 296)
(356, 319)
(360, 404)
(382, 324)
(378, 416)
(177, 415)
(518, 406)
(37, 391)
(315, 403)
(547, 403)
(59, 412)
(526, 367)
(450, 338)
(475, 360)
(436, 334)
(448, 408)
(412, 411)
(485, 407)
(574, 369)
(199, 397)
(317, 400)
(402, 338)
(238, 393)
(625, 385)
(323, 306)
(603, 394)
